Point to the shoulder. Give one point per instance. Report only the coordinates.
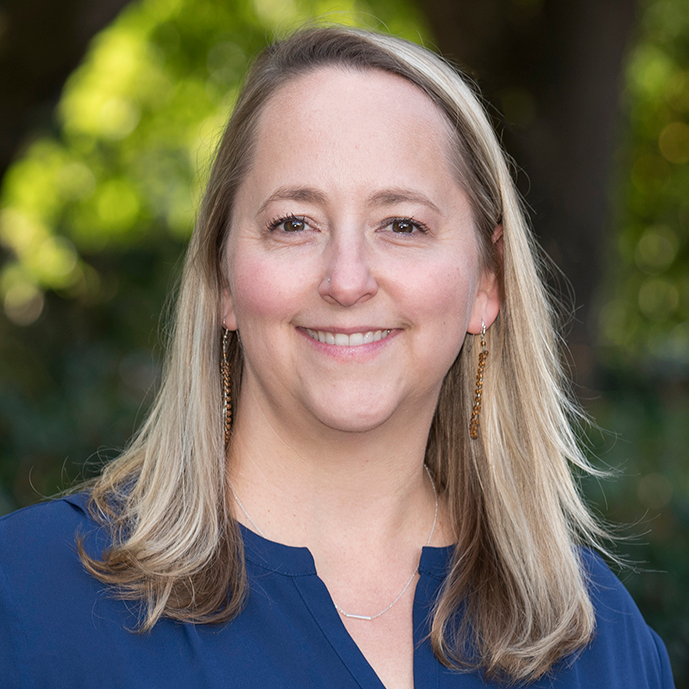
(51, 610)
(606, 590)
(51, 515)
(615, 609)
(45, 532)
(624, 651)
(38, 549)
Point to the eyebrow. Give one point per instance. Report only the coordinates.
(306, 194)
(389, 197)
(385, 197)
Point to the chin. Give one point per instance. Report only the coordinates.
(350, 426)
(356, 420)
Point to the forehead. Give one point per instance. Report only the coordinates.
(363, 90)
(370, 119)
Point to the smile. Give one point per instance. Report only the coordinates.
(343, 340)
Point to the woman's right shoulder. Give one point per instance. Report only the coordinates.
(51, 610)
(42, 539)
(43, 522)
(73, 503)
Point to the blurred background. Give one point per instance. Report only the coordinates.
(109, 113)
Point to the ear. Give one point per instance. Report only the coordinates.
(487, 302)
(228, 315)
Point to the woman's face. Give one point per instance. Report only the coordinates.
(353, 263)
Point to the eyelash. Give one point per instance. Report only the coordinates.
(417, 224)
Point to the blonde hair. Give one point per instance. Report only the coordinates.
(516, 509)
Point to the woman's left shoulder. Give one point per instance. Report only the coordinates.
(624, 652)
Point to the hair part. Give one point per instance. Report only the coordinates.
(518, 516)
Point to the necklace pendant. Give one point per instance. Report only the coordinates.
(356, 617)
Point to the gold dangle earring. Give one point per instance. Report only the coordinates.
(482, 356)
(225, 375)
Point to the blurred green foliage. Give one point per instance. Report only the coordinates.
(643, 330)
(95, 214)
(648, 445)
(646, 319)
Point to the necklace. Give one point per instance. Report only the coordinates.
(367, 618)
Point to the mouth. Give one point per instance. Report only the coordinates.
(344, 340)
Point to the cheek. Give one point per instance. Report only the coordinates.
(445, 295)
(264, 289)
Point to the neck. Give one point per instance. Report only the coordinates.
(302, 485)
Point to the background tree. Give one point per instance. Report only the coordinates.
(553, 70)
(41, 42)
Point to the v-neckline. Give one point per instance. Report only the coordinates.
(298, 563)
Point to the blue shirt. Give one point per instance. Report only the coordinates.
(59, 627)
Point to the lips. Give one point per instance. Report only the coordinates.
(344, 340)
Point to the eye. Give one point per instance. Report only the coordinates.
(402, 226)
(290, 223)
(293, 225)
(406, 226)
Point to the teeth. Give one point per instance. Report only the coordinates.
(342, 340)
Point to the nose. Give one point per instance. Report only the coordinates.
(348, 278)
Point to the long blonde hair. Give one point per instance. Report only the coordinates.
(516, 509)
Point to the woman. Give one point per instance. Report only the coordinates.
(364, 279)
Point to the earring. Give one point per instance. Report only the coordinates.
(225, 375)
(482, 356)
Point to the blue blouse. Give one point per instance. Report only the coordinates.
(59, 627)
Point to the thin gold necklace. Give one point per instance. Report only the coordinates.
(367, 618)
